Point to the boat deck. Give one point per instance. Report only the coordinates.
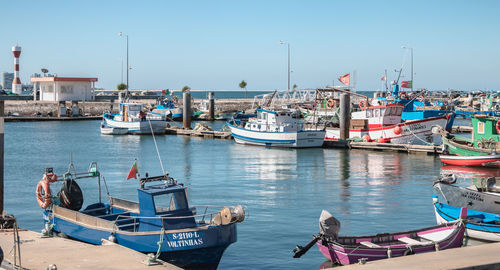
(472, 257)
(39, 253)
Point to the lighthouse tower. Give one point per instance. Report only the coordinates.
(17, 87)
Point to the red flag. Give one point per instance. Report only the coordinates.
(406, 84)
(345, 79)
(133, 171)
(383, 78)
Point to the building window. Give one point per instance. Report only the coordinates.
(49, 89)
(66, 89)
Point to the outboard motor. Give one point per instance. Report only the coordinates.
(71, 195)
(491, 185)
(328, 225)
(447, 179)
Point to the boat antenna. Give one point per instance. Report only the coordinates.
(156, 146)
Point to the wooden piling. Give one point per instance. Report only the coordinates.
(186, 110)
(344, 115)
(1, 154)
(211, 106)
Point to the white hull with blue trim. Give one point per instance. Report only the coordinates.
(135, 127)
(297, 139)
(275, 129)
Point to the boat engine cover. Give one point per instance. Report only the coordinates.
(328, 225)
(71, 195)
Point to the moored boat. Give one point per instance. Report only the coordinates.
(479, 225)
(481, 160)
(135, 119)
(353, 249)
(485, 138)
(383, 123)
(482, 195)
(275, 129)
(161, 222)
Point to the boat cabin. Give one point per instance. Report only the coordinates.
(130, 112)
(486, 130)
(272, 121)
(384, 115)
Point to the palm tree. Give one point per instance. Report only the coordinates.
(294, 87)
(243, 85)
(185, 88)
(121, 86)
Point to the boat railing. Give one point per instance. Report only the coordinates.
(210, 216)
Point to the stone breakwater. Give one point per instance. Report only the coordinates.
(96, 108)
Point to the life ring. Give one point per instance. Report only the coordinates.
(330, 103)
(479, 145)
(497, 126)
(421, 98)
(403, 95)
(49, 177)
(362, 104)
(43, 199)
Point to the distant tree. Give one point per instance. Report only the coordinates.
(121, 86)
(294, 87)
(186, 88)
(243, 85)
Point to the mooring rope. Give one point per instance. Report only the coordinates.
(156, 146)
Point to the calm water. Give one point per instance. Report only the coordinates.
(283, 190)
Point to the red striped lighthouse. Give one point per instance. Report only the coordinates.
(17, 87)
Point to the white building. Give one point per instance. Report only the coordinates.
(64, 88)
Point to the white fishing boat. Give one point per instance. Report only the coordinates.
(107, 130)
(383, 124)
(483, 195)
(275, 129)
(135, 120)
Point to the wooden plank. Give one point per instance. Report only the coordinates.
(39, 253)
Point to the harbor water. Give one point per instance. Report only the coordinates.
(283, 190)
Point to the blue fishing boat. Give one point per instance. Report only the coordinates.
(161, 222)
(479, 225)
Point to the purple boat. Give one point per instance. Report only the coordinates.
(353, 249)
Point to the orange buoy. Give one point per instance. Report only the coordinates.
(381, 140)
(398, 130)
(497, 126)
(366, 138)
(43, 194)
(362, 104)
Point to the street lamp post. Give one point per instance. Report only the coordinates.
(288, 45)
(121, 34)
(411, 55)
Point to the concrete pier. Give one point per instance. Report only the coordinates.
(39, 253)
(471, 257)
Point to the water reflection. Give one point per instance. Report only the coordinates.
(267, 163)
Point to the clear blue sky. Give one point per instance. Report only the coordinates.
(216, 44)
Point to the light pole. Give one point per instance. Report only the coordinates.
(411, 55)
(121, 34)
(288, 45)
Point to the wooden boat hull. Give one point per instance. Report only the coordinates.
(298, 139)
(474, 160)
(480, 225)
(186, 248)
(471, 199)
(137, 127)
(353, 253)
(113, 131)
(412, 132)
(462, 147)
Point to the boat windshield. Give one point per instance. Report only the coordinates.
(170, 202)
